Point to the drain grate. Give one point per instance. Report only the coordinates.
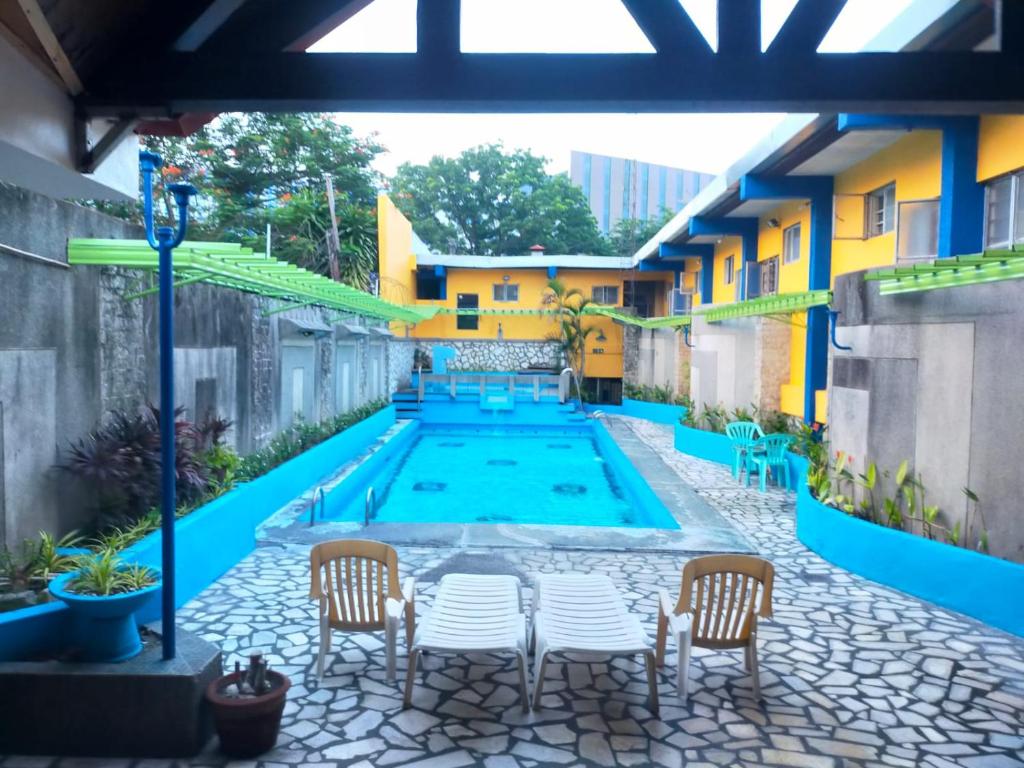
(559, 446)
(465, 562)
(502, 463)
(430, 486)
(812, 577)
(452, 445)
(569, 489)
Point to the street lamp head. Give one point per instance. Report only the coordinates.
(182, 192)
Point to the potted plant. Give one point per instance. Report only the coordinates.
(103, 593)
(247, 707)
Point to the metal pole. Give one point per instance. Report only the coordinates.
(164, 240)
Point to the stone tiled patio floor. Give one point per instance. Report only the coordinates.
(853, 674)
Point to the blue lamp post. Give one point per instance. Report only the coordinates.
(164, 240)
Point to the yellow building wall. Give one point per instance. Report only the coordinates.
(690, 269)
(723, 292)
(396, 262)
(914, 163)
(1000, 145)
(604, 357)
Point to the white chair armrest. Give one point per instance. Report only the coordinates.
(409, 589)
(394, 608)
(665, 604)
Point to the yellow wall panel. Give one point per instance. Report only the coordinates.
(1000, 145)
(723, 292)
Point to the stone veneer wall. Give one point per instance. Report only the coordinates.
(772, 341)
(400, 358)
(494, 355)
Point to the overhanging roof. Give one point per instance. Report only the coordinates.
(231, 266)
(562, 261)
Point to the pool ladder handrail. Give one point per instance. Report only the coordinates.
(371, 506)
(318, 493)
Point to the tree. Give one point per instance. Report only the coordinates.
(491, 202)
(256, 169)
(567, 306)
(628, 235)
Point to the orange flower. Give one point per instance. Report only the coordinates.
(285, 197)
(172, 170)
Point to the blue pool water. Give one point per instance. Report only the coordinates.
(510, 475)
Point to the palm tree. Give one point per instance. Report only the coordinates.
(567, 306)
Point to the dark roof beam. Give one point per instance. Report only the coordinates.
(208, 22)
(666, 25)
(739, 27)
(806, 26)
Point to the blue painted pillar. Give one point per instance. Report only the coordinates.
(442, 274)
(962, 205)
(743, 227)
(707, 279)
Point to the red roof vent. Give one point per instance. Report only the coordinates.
(537, 250)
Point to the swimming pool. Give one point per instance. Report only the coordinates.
(526, 475)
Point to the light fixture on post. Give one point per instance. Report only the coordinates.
(600, 335)
(773, 223)
(164, 240)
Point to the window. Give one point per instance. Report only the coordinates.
(770, 276)
(468, 322)
(881, 211)
(729, 274)
(605, 294)
(917, 232)
(506, 292)
(1004, 211)
(791, 244)
(682, 302)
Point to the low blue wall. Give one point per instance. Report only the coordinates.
(710, 446)
(208, 542)
(659, 413)
(978, 585)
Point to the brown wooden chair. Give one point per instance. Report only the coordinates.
(356, 582)
(720, 600)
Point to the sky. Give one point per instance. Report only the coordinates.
(704, 142)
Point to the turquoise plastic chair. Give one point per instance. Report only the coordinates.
(769, 456)
(744, 435)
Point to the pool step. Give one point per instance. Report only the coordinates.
(494, 401)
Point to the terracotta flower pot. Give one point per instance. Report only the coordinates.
(247, 727)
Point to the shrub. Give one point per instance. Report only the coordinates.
(653, 394)
(301, 437)
(714, 418)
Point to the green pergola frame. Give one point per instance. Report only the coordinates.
(231, 266)
(988, 267)
(669, 321)
(780, 304)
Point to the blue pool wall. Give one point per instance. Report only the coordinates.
(659, 413)
(635, 486)
(977, 585)
(208, 542)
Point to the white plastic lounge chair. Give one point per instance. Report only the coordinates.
(581, 613)
(356, 584)
(473, 614)
(720, 600)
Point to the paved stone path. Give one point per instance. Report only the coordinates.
(853, 674)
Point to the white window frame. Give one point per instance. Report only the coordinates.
(881, 201)
(925, 257)
(788, 257)
(774, 262)
(1016, 180)
(730, 273)
(599, 295)
(503, 298)
(684, 295)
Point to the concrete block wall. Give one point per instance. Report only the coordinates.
(72, 350)
(771, 361)
(935, 378)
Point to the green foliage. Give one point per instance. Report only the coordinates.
(715, 418)
(567, 309)
(489, 201)
(104, 573)
(35, 562)
(832, 481)
(259, 168)
(653, 394)
(628, 235)
(301, 437)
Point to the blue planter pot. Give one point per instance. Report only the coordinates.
(103, 627)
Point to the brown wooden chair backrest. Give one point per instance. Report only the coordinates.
(353, 578)
(725, 594)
